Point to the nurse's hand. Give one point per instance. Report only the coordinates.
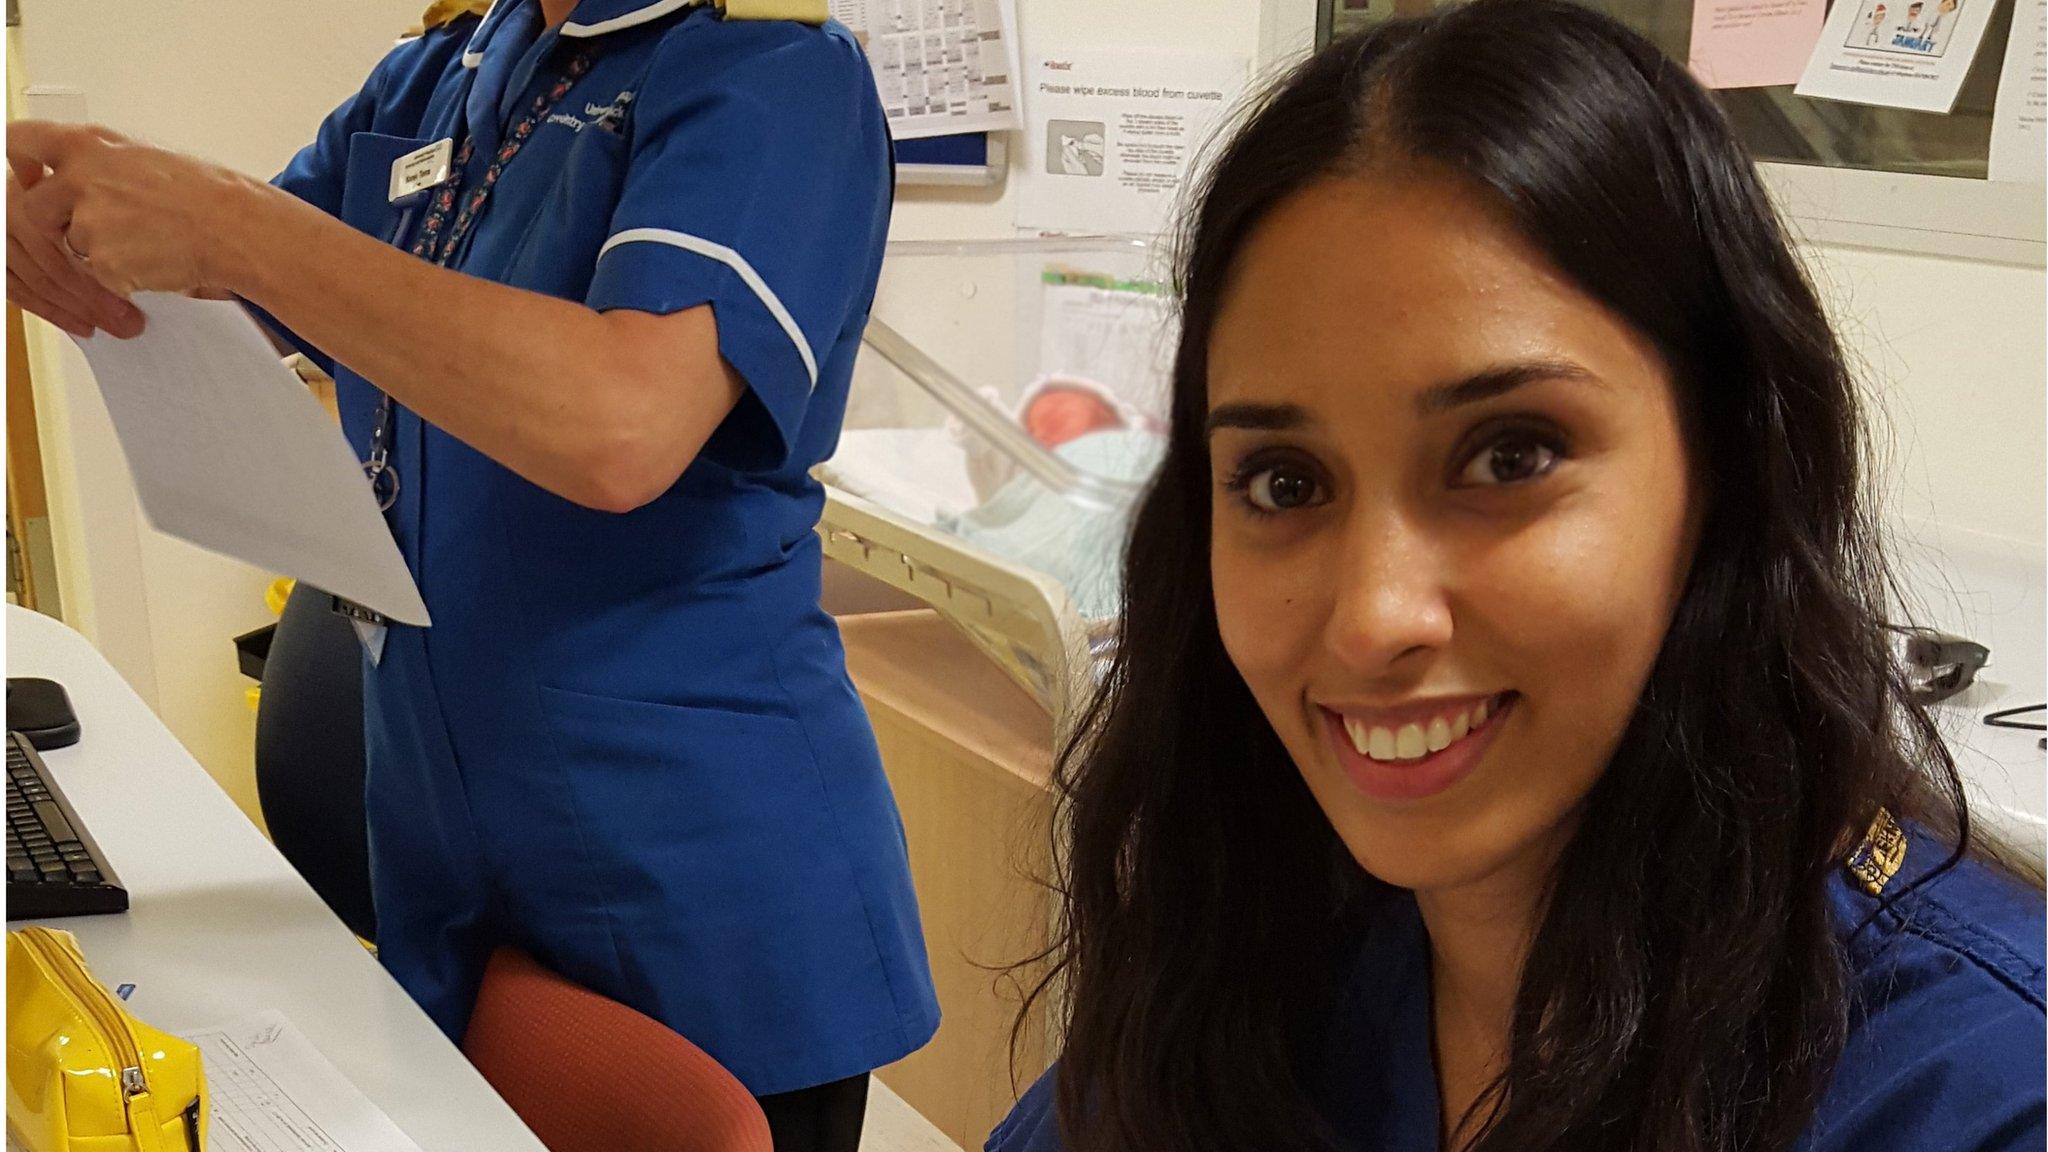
(44, 278)
(139, 218)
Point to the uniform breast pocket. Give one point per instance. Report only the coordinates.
(557, 251)
(366, 198)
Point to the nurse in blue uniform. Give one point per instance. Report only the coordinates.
(1506, 749)
(591, 277)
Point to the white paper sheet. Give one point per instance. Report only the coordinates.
(2019, 119)
(230, 452)
(1897, 53)
(941, 66)
(1110, 137)
(272, 1091)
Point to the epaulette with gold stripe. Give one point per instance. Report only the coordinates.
(1881, 855)
(801, 11)
(442, 12)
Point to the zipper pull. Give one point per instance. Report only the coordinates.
(132, 1082)
(143, 1124)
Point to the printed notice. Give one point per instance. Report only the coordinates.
(272, 1091)
(1114, 333)
(1897, 53)
(2019, 120)
(1110, 138)
(1753, 43)
(941, 66)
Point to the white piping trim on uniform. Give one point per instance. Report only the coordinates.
(738, 264)
(471, 56)
(641, 15)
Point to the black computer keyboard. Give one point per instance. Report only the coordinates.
(53, 867)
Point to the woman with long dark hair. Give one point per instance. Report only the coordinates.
(1505, 750)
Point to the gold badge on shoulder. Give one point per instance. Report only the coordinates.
(801, 11)
(445, 12)
(1881, 855)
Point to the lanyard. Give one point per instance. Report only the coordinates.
(442, 233)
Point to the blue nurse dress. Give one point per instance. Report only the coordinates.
(628, 743)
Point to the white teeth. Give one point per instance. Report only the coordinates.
(1415, 741)
(1381, 746)
(1358, 733)
(1409, 743)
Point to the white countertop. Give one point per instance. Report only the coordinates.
(220, 927)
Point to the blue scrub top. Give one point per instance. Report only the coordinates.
(628, 742)
(1946, 1051)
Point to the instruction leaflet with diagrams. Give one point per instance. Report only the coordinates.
(1110, 138)
(941, 66)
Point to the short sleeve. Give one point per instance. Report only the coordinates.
(757, 183)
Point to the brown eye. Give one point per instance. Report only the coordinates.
(1510, 460)
(1281, 489)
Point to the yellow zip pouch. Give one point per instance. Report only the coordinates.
(82, 1074)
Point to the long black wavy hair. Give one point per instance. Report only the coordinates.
(1685, 990)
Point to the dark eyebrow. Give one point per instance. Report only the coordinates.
(1496, 381)
(1258, 417)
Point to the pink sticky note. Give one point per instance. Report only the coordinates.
(1753, 43)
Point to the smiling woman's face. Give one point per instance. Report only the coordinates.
(1451, 521)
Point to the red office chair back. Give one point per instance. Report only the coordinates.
(589, 1074)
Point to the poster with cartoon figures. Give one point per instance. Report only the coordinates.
(1920, 28)
(1896, 53)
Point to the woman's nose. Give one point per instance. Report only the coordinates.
(1391, 606)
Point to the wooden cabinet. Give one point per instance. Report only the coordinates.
(968, 754)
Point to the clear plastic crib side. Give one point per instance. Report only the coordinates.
(1006, 412)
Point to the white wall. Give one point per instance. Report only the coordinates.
(1952, 351)
(1952, 348)
(243, 82)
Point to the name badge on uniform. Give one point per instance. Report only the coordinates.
(417, 171)
(370, 626)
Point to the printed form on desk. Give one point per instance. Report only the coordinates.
(272, 1091)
